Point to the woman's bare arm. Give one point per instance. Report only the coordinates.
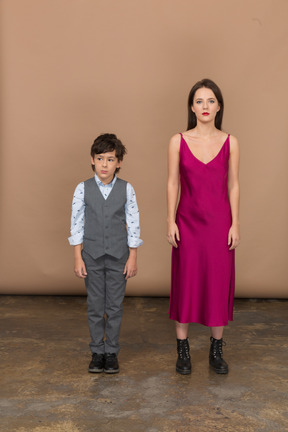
(173, 190)
(234, 193)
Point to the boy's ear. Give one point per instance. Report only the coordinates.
(119, 164)
(92, 161)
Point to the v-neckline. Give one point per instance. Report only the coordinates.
(203, 163)
(98, 189)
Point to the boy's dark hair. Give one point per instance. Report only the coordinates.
(108, 143)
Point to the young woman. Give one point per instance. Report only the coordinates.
(204, 231)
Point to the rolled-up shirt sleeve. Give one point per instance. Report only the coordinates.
(77, 216)
(132, 219)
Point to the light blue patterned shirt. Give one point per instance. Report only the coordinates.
(131, 211)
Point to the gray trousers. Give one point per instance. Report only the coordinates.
(105, 285)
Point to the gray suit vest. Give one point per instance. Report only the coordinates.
(105, 229)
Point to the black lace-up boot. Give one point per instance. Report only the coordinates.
(183, 365)
(215, 356)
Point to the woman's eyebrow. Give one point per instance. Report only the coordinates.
(211, 98)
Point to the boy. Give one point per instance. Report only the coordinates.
(105, 234)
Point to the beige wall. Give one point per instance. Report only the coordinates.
(72, 69)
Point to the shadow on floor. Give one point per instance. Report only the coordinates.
(45, 385)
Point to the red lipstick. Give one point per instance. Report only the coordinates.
(205, 113)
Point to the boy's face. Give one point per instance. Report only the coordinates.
(105, 166)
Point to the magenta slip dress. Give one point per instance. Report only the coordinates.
(203, 270)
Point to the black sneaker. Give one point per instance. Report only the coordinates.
(97, 363)
(111, 365)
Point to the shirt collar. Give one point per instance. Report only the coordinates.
(99, 182)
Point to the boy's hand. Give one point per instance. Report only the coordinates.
(80, 269)
(130, 269)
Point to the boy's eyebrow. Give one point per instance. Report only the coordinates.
(103, 154)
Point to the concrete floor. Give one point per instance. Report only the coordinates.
(45, 385)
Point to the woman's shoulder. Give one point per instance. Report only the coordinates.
(175, 141)
(176, 137)
(233, 141)
(234, 146)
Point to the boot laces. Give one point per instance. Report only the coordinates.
(184, 351)
(217, 348)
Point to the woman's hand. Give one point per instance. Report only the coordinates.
(173, 234)
(234, 237)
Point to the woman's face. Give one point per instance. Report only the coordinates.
(205, 105)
